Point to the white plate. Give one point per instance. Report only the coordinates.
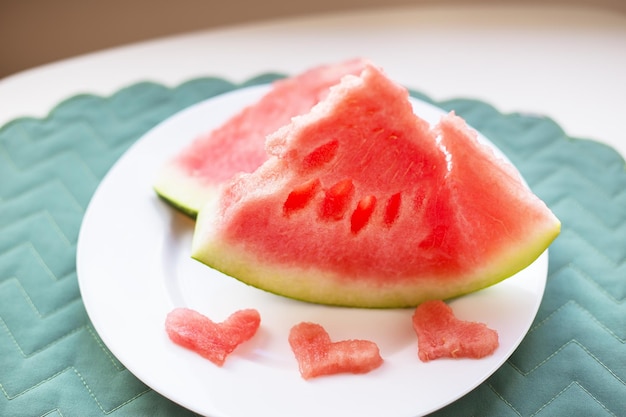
(134, 267)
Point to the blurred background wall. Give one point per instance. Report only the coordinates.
(35, 32)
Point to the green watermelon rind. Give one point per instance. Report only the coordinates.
(183, 194)
(325, 287)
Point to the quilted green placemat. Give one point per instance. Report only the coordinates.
(52, 362)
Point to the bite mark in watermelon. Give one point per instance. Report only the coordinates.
(317, 355)
(362, 203)
(440, 334)
(238, 145)
(213, 341)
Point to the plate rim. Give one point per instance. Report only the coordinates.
(96, 199)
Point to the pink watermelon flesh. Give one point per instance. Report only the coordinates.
(213, 341)
(441, 335)
(363, 204)
(317, 355)
(238, 145)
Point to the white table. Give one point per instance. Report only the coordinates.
(565, 63)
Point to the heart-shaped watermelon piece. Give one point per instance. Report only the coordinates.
(317, 355)
(440, 334)
(213, 341)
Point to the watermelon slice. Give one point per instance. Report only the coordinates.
(317, 355)
(213, 341)
(363, 204)
(441, 335)
(238, 145)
